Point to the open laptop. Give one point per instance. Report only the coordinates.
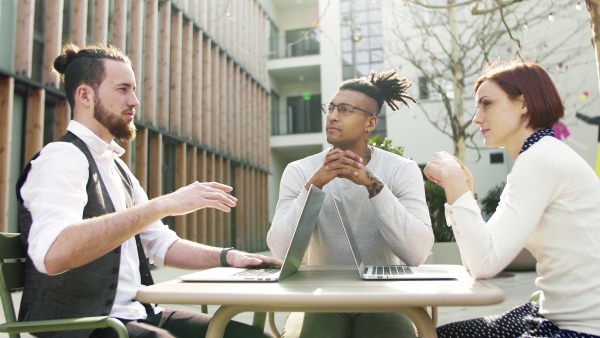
(293, 259)
(399, 272)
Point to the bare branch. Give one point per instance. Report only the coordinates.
(501, 4)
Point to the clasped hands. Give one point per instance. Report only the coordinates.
(343, 164)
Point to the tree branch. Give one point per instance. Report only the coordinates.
(501, 4)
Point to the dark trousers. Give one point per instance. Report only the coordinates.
(179, 323)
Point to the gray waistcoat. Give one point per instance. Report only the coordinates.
(85, 291)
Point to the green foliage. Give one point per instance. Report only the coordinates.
(491, 200)
(386, 144)
(436, 198)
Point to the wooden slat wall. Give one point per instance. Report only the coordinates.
(207, 92)
(197, 90)
(119, 39)
(24, 32)
(186, 80)
(7, 85)
(192, 172)
(201, 79)
(202, 225)
(219, 215)
(175, 97)
(215, 109)
(100, 31)
(62, 115)
(79, 22)
(148, 113)
(34, 133)
(180, 181)
(211, 233)
(164, 65)
(141, 157)
(52, 38)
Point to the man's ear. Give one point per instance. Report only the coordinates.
(372, 124)
(84, 95)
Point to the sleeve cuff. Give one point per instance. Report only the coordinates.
(465, 201)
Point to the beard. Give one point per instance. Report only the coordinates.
(116, 125)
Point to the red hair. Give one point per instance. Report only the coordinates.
(515, 78)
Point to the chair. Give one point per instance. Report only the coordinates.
(12, 273)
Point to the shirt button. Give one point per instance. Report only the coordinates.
(109, 302)
(115, 269)
(113, 286)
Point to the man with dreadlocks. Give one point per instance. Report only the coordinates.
(384, 196)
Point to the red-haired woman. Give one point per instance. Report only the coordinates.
(550, 205)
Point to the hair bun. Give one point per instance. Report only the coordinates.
(64, 60)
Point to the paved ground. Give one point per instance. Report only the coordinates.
(518, 286)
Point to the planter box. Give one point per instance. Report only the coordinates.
(448, 253)
(444, 253)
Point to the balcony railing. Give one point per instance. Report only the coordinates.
(297, 119)
(300, 42)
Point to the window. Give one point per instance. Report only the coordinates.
(304, 114)
(302, 42)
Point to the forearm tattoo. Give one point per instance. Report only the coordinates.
(376, 184)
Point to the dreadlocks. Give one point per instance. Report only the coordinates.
(385, 86)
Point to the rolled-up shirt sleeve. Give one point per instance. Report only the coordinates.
(55, 198)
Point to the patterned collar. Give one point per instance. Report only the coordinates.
(531, 140)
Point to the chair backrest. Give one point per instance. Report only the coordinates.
(12, 271)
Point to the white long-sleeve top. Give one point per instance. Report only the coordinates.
(392, 226)
(55, 194)
(551, 206)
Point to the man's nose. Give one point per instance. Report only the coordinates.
(133, 101)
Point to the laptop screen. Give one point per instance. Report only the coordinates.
(339, 206)
(303, 233)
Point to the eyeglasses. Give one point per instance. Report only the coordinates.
(344, 109)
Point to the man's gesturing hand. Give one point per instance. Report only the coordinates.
(197, 196)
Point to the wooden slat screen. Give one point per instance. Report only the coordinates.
(200, 68)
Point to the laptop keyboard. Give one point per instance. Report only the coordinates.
(258, 272)
(391, 270)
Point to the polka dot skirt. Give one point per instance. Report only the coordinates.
(523, 321)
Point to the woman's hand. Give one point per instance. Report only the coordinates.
(449, 173)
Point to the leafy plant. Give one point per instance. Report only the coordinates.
(386, 144)
(436, 198)
(491, 200)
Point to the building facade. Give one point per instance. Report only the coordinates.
(348, 38)
(202, 84)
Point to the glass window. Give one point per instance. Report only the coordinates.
(302, 42)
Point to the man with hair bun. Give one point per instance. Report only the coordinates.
(384, 195)
(88, 225)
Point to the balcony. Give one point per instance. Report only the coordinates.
(303, 115)
(298, 42)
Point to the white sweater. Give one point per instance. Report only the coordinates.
(551, 206)
(392, 226)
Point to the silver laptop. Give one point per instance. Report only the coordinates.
(400, 272)
(293, 259)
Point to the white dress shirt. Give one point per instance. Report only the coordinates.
(55, 194)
